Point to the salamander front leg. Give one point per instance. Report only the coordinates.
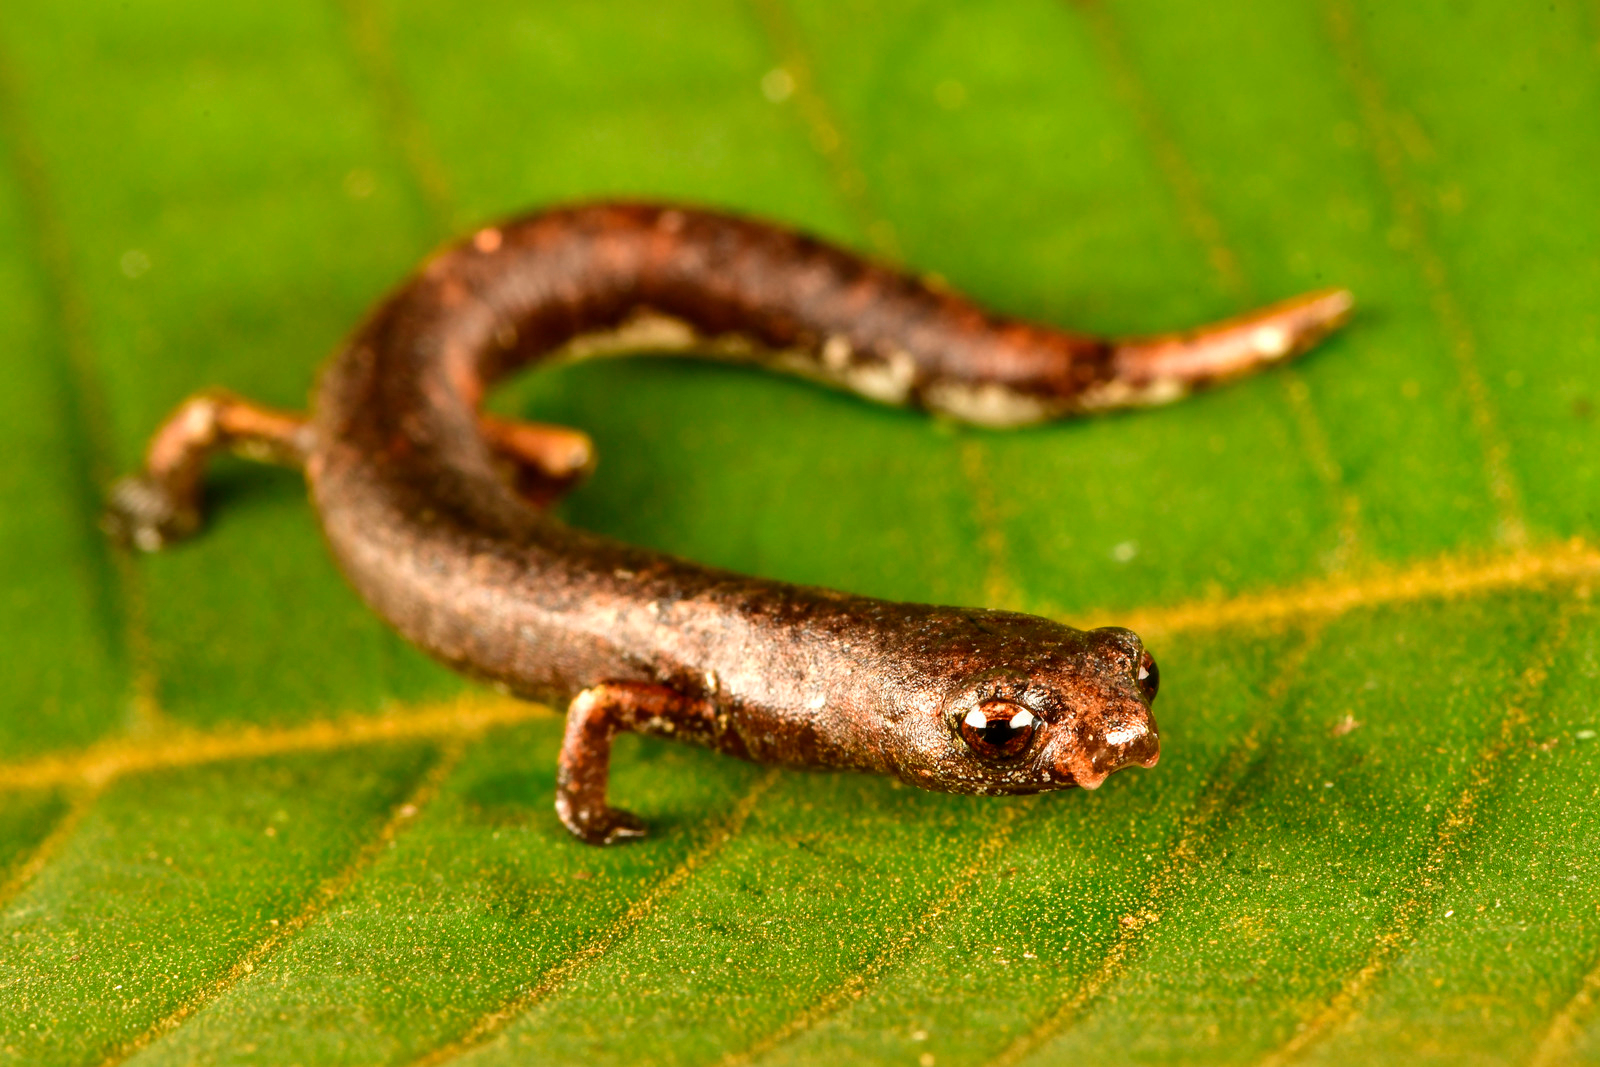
(593, 719)
(546, 461)
(161, 504)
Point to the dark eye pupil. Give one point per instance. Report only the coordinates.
(1149, 676)
(998, 729)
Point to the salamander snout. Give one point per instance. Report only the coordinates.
(1099, 750)
(1116, 729)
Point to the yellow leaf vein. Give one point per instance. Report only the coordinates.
(1445, 577)
(1458, 822)
(406, 132)
(1202, 222)
(1566, 1026)
(118, 590)
(1198, 827)
(856, 985)
(81, 801)
(403, 816)
(491, 1024)
(1412, 233)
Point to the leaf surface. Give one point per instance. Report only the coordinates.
(241, 822)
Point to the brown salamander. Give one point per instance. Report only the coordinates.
(435, 511)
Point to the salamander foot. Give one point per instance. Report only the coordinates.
(143, 512)
(545, 462)
(605, 826)
(161, 504)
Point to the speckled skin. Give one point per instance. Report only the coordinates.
(419, 515)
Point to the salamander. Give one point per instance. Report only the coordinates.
(437, 513)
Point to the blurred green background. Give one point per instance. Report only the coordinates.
(240, 822)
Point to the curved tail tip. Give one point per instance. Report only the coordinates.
(1324, 310)
(1235, 346)
(1289, 326)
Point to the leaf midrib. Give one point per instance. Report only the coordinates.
(1562, 564)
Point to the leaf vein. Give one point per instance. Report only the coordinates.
(407, 133)
(1447, 576)
(1444, 577)
(850, 179)
(77, 807)
(1202, 222)
(1378, 119)
(1555, 1046)
(403, 816)
(118, 593)
(1198, 827)
(489, 1025)
(826, 134)
(853, 987)
(103, 762)
(1450, 833)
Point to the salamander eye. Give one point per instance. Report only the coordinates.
(998, 729)
(1149, 676)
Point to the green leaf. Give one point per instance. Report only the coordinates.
(242, 822)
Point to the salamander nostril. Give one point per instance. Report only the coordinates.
(1121, 736)
(1143, 751)
(1129, 742)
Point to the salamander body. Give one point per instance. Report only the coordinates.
(435, 511)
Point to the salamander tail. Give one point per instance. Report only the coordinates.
(1167, 366)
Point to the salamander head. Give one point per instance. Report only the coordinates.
(1066, 714)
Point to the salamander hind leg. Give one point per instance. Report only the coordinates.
(545, 462)
(161, 503)
(594, 717)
